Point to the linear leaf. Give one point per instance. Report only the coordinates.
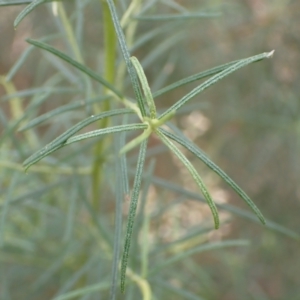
(121, 191)
(126, 55)
(28, 9)
(183, 293)
(201, 155)
(176, 17)
(5, 206)
(132, 210)
(16, 66)
(22, 58)
(12, 127)
(99, 132)
(215, 79)
(61, 140)
(84, 291)
(227, 207)
(148, 36)
(162, 48)
(75, 64)
(76, 276)
(193, 78)
(64, 108)
(145, 86)
(198, 249)
(14, 2)
(44, 89)
(194, 174)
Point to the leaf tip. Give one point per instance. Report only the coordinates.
(270, 54)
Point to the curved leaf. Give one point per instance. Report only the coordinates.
(200, 154)
(145, 86)
(193, 78)
(198, 249)
(57, 111)
(75, 64)
(98, 132)
(126, 55)
(194, 174)
(61, 140)
(28, 9)
(241, 63)
(132, 210)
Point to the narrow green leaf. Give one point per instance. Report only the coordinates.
(160, 182)
(145, 86)
(42, 90)
(64, 108)
(194, 174)
(176, 17)
(84, 291)
(183, 293)
(47, 275)
(163, 48)
(70, 217)
(215, 79)
(102, 229)
(143, 220)
(22, 58)
(28, 9)
(121, 185)
(5, 206)
(75, 64)
(193, 78)
(269, 223)
(202, 156)
(61, 140)
(37, 194)
(124, 168)
(11, 128)
(132, 210)
(126, 55)
(76, 276)
(150, 35)
(18, 63)
(136, 141)
(14, 2)
(198, 249)
(99, 132)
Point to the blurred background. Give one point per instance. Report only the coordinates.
(248, 124)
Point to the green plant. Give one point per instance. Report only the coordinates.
(113, 102)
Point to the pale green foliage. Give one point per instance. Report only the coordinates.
(151, 122)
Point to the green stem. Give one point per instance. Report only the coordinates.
(109, 75)
(69, 31)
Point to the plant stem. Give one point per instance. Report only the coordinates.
(109, 75)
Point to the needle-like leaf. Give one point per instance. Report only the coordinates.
(193, 78)
(28, 9)
(132, 210)
(194, 174)
(64, 108)
(145, 86)
(198, 249)
(75, 64)
(215, 79)
(176, 17)
(14, 2)
(201, 155)
(61, 140)
(99, 132)
(126, 55)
